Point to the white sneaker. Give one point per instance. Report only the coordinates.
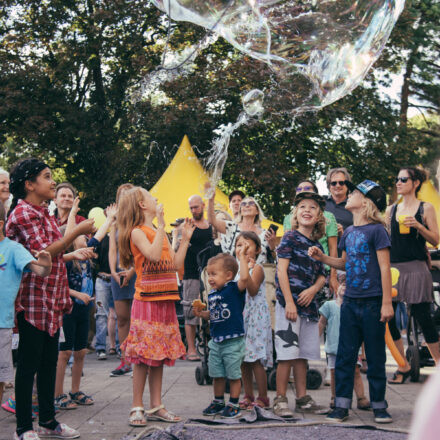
(61, 431)
(101, 355)
(28, 435)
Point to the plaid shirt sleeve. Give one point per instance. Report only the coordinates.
(43, 300)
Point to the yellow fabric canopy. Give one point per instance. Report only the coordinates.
(183, 178)
(429, 194)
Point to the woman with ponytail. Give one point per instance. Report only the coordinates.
(41, 301)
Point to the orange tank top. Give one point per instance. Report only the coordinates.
(155, 281)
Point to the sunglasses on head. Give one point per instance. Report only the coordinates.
(336, 182)
(402, 179)
(305, 188)
(248, 203)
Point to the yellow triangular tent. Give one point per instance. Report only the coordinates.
(184, 177)
(429, 194)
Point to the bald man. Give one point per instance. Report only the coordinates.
(202, 235)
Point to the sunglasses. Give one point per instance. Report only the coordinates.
(336, 182)
(402, 179)
(305, 188)
(249, 203)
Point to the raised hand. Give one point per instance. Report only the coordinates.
(84, 254)
(44, 259)
(315, 253)
(209, 190)
(160, 216)
(86, 227)
(111, 211)
(75, 206)
(188, 227)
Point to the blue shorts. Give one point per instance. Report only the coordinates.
(76, 328)
(226, 357)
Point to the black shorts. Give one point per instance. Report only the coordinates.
(76, 328)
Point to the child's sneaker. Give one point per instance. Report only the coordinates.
(338, 415)
(61, 431)
(216, 407)
(382, 416)
(281, 407)
(122, 370)
(231, 411)
(28, 435)
(307, 404)
(9, 405)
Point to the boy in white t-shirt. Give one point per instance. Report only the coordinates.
(14, 260)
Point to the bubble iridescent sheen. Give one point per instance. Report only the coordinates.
(318, 51)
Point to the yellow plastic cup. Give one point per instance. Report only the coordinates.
(403, 229)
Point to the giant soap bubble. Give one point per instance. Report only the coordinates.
(317, 50)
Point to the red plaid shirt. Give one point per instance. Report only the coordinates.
(43, 300)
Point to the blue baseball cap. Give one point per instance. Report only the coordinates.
(372, 190)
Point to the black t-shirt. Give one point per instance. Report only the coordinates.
(101, 262)
(407, 247)
(199, 240)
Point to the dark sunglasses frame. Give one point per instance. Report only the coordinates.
(402, 179)
(249, 203)
(341, 183)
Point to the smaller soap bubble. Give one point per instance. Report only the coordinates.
(253, 102)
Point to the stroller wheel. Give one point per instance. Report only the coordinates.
(314, 379)
(207, 377)
(200, 379)
(413, 357)
(272, 380)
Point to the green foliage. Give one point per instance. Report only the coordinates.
(70, 70)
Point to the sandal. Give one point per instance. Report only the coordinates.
(81, 399)
(137, 414)
(262, 402)
(398, 373)
(168, 417)
(63, 402)
(247, 402)
(112, 352)
(193, 358)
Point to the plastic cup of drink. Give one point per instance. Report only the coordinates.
(403, 229)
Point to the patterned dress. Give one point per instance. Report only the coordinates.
(257, 327)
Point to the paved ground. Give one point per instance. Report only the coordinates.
(107, 418)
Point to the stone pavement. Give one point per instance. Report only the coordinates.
(107, 418)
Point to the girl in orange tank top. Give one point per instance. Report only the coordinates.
(154, 337)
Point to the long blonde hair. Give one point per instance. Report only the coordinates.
(319, 228)
(129, 216)
(372, 213)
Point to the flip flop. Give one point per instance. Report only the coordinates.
(169, 417)
(193, 358)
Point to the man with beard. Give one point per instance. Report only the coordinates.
(202, 235)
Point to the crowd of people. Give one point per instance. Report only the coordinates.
(333, 277)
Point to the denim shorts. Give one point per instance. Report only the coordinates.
(226, 357)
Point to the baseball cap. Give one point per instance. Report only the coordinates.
(309, 195)
(372, 190)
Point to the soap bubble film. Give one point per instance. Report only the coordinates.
(316, 51)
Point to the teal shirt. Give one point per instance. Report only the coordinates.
(331, 228)
(332, 312)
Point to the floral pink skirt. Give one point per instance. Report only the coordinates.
(154, 337)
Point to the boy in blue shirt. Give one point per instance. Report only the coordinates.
(367, 303)
(14, 260)
(227, 345)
